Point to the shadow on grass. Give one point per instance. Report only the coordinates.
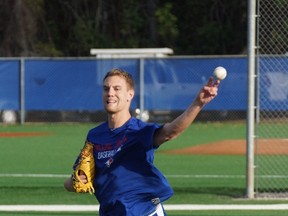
(58, 195)
(217, 191)
(43, 195)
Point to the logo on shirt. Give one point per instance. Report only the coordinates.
(109, 162)
(108, 150)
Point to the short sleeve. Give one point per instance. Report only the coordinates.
(147, 135)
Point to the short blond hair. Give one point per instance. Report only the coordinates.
(121, 73)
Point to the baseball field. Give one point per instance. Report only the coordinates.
(206, 167)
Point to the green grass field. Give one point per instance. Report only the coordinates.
(196, 179)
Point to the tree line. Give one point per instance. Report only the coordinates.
(71, 27)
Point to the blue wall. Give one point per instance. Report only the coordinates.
(170, 83)
(9, 84)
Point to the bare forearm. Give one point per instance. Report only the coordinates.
(171, 130)
(177, 126)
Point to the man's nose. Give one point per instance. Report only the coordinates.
(110, 91)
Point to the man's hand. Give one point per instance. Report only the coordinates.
(208, 92)
(82, 177)
(68, 184)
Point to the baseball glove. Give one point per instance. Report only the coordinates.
(85, 164)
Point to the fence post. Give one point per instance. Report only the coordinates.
(251, 99)
(141, 93)
(22, 93)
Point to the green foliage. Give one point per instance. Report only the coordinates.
(167, 24)
(46, 49)
(72, 27)
(83, 32)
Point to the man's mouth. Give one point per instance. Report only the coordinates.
(111, 101)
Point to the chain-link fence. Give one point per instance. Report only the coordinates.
(272, 122)
(70, 90)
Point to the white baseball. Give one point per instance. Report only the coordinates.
(220, 73)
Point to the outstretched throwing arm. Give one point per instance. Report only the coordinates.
(177, 126)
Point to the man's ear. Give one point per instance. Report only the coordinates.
(130, 95)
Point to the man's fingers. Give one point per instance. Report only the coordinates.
(210, 81)
(81, 172)
(82, 176)
(211, 90)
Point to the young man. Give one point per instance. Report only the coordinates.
(127, 183)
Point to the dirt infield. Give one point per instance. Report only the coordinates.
(225, 147)
(236, 147)
(23, 134)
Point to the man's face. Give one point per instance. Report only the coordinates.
(116, 94)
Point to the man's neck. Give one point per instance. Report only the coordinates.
(116, 120)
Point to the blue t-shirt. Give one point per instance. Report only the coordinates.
(126, 181)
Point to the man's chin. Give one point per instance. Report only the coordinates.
(110, 111)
